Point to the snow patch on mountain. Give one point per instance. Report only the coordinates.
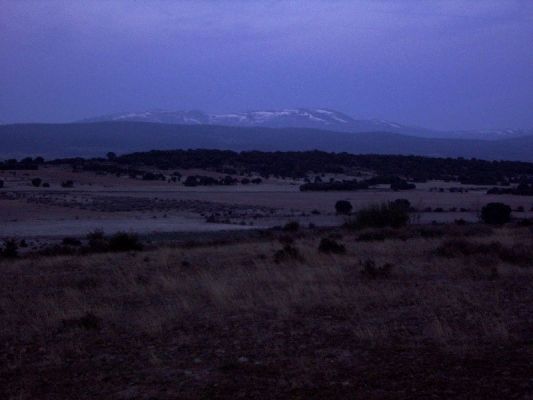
(315, 118)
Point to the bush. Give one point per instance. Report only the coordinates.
(123, 241)
(380, 216)
(343, 207)
(328, 245)
(496, 214)
(517, 254)
(371, 271)
(1, 183)
(460, 247)
(288, 252)
(36, 182)
(67, 184)
(97, 240)
(291, 226)
(68, 241)
(402, 185)
(403, 204)
(10, 249)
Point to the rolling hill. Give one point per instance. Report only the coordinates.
(313, 118)
(97, 138)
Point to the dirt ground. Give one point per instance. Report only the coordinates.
(122, 204)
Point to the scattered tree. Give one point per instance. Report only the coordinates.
(496, 213)
(10, 249)
(380, 216)
(36, 182)
(343, 207)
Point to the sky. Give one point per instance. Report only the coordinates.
(437, 64)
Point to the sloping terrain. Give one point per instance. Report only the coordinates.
(313, 118)
(95, 139)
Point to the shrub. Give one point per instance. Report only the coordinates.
(10, 249)
(291, 226)
(1, 183)
(288, 252)
(97, 240)
(371, 271)
(517, 254)
(67, 184)
(57, 250)
(496, 214)
(380, 216)
(371, 237)
(525, 222)
(328, 245)
(402, 185)
(68, 241)
(286, 239)
(343, 207)
(461, 247)
(403, 204)
(36, 182)
(123, 241)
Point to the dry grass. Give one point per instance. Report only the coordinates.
(197, 296)
(164, 286)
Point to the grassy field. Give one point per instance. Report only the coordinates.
(422, 311)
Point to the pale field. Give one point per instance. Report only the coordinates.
(20, 217)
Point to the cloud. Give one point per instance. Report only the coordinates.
(424, 62)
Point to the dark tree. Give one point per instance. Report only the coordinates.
(36, 182)
(111, 156)
(343, 207)
(402, 185)
(10, 249)
(1, 184)
(380, 216)
(402, 204)
(496, 213)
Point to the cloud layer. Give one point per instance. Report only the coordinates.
(442, 64)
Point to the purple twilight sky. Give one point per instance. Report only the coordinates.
(439, 64)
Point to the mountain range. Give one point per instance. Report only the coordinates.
(90, 139)
(314, 118)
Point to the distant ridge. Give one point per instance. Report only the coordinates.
(314, 118)
(98, 138)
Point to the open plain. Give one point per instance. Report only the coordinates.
(149, 207)
(129, 288)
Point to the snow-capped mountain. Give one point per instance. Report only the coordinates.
(491, 134)
(314, 118)
(157, 116)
